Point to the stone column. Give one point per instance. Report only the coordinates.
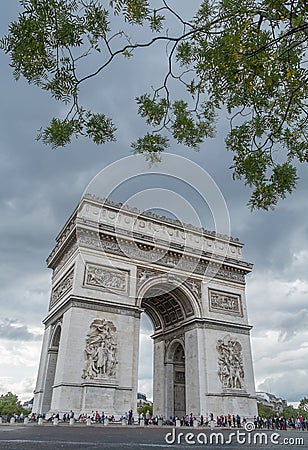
(169, 390)
(159, 380)
(41, 389)
(192, 372)
(134, 349)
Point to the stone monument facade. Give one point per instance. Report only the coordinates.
(112, 262)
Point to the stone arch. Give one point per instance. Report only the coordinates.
(167, 302)
(171, 306)
(172, 347)
(56, 335)
(52, 361)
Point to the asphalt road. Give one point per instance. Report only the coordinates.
(96, 437)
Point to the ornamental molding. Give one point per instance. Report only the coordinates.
(225, 303)
(101, 351)
(230, 363)
(62, 288)
(65, 257)
(159, 257)
(144, 275)
(195, 287)
(221, 326)
(62, 237)
(102, 277)
(173, 338)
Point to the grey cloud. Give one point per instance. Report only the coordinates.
(288, 386)
(293, 323)
(13, 331)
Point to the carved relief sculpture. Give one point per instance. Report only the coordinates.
(195, 287)
(101, 350)
(144, 275)
(62, 288)
(224, 302)
(230, 363)
(103, 277)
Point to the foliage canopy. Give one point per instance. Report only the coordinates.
(246, 57)
(265, 411)
(144, 409)
(9, 404)
(303, 404)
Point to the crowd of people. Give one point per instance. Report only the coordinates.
(282, 423)
(226, 421)
(229, 421)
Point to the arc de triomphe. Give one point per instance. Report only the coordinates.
(110, 264)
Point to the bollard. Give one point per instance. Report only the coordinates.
(160, 422)
(40, 421)
(56, 421)
(177, 423)
(26, 420)
(106, 421)
(72, 421)
(0, 419)
(124, 422)
(88, 421)
(142, 422)
(212, 424)
(195, 423)
(12, 420)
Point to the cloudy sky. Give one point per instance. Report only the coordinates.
(40, 187)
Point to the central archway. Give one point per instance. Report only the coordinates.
(171, 307)
(168, 304)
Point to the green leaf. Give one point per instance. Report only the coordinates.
(59, 133)
(99, 128)
(151, 146)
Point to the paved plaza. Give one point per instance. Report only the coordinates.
(96, 437)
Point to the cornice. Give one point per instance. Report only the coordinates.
(92, 304)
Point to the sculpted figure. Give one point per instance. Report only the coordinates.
(101, 350)
(230, 363)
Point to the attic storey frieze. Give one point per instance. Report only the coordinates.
(128, 220)
(104, 207)
(203, 251)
